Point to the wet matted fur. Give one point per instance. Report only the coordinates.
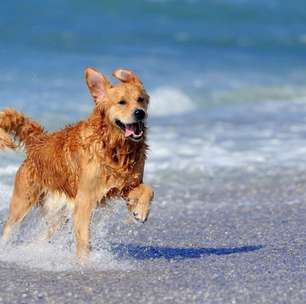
(100, 157)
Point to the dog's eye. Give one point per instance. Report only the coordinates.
(141, 99)
(122, 102)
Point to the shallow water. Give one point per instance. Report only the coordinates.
(227, 149)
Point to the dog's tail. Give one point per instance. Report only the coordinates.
(15, 125)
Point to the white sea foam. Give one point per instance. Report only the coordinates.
(169, 100)
(7, 170)
(27, 249)
(50, 257)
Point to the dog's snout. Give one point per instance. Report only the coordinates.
(139, 114)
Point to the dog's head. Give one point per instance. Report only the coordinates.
(124, 104)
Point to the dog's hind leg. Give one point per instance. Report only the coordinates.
(26, 193)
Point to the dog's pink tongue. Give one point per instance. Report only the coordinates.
(129, 130)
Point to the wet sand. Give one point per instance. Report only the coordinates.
(236, 238)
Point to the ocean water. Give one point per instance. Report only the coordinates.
(227, 80)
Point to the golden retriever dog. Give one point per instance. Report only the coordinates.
(86, 163)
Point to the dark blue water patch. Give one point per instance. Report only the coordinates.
(75, 26)
(139, 252)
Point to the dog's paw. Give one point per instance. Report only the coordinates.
(140, 211)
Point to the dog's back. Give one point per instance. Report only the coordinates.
(51, 158)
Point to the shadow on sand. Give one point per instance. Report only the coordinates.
(155, 252)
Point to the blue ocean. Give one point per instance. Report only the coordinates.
(227, 80)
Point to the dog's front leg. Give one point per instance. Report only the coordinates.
(139, 201)
(82, 218)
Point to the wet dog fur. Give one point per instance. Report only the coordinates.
(86, 163)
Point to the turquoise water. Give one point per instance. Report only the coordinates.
(223, 51)
(227, 78)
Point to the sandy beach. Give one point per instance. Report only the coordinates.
(233, 240)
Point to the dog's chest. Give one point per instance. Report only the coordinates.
(120, 167)
(114, 177)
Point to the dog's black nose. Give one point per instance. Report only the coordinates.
(139, 114)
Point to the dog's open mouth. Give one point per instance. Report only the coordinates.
(133, 130)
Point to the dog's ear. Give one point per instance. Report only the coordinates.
(97, 83)
(126, 75)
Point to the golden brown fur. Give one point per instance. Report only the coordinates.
(86, 162)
